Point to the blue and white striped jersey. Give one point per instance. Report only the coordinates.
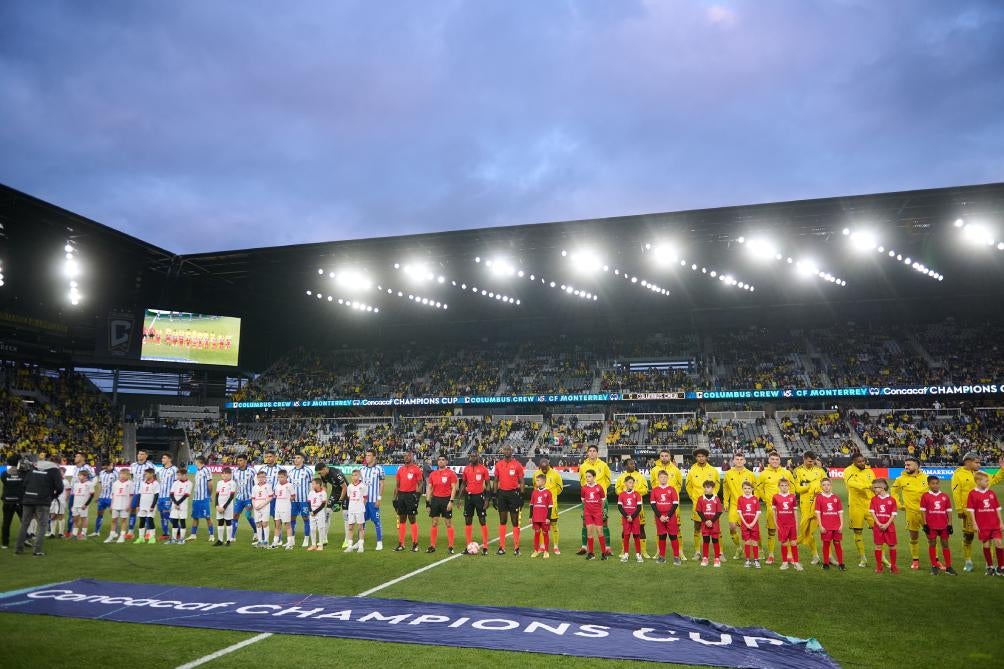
(200, 484)
(86, 468)
(136, 469)
(371, 478)
(107, 480)
(271, 474)
(244, 479)
(301, 477)
(166, 477)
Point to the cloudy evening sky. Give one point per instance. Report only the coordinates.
(201, 126)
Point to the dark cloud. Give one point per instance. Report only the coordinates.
(203, 126)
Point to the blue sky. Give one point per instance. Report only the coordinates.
(201, 126)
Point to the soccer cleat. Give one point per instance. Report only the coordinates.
(346, 543)
(590, 556)
(609, 552)
(639, 557)
(515, 552)
(348, 549)
(815, 560)
(163, 537)
(38, 554)
(449, 549)
(484, 552)
(738, 554)
(885, 560)
(677, 561)
(697, 555)
(129, 535)
(93, 534)
(683, 558)
(770, 560)
(379, 546)
(915, 565)
(311, 548)
(879, 568)
(306, 542)
(545, 555)
(227, 543)
(414, 548)
(863, 563)
(111, 538)
(624, 557)
(581, 551)
(841, 567)
(217, 543)
(359, 547)
(934, 571)
(139, 540)
(968, 566)
(894, 569)
(500, 551)
(399, 549)
(704, 562)
(784, 566)
(718, 562)
(606, 556)
(1000, 571)
(289, 547)
(756, 564)
(798, 566)
(151, 540)
(534, 554)
(430, 549)
(826, 566)
(660, 560)
(747, 564)
(556, 551)
(120, 540)
(991, 571)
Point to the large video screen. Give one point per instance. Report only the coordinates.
(181, 336)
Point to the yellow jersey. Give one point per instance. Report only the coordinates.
(640, 485)
(696, 477)
(767, 484)
(601, 470)
(910, 487)
(674, 476)
(733, 485)
(552, 481)
(964, 482)
(808, 490)
(859, 486)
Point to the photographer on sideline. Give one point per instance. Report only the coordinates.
(42, 484)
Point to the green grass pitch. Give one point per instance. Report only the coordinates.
(863, 619)
(208, 325)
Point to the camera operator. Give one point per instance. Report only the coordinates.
(42, 484)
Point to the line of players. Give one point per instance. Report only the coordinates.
(207, 341)
(294, 494)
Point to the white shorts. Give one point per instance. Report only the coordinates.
(179, 512)
(146, 512)
(355, 518)
(261, 515)
(79, 512)
(228, 513)
(56, 508)
(282, 515)
(120, 513)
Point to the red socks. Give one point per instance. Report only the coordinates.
(676, 547)
(626, 540)
(826, 552)
(784, 553)
(414, 533)
(794, 553)
(892, 556)
(433, 535)
(547, 540)
(747, 549)
(878, 559)
(987, 556)
(502, 537)
(932, 554)
(1000, 558)
(947, 553)
(662, 548)
(603, 544)
(637, 545)
(840, 553)
(515, 536)
(589, 544)
(704, 550)
(718, 549)
(468, 531)
(484, 535)
(450, 536)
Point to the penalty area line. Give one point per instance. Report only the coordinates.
(365, 593)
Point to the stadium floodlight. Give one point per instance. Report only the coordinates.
(806, 268)
(978, 234)
(1, 275)
(959, 222)
(309, 293)
(663, 254)
(584, 260)
(352, 280)
(761, 248)
(863, 241)
(418, 271)
(500, 267)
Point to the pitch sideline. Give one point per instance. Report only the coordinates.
(264, 635)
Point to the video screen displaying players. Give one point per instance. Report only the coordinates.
(181, 336)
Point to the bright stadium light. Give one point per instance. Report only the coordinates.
(352, 280)
(761, 249)
(500, 267)
(978, 234)
(663, 253)
(72, 270)
(1, 275)
(584, 260)
(863, 241)
(418, 271)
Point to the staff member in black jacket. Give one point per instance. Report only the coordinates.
(13, 489)
(41, 485)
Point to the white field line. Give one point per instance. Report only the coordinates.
(366, 593)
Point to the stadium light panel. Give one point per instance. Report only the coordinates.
(978, 234)
(761, 248)
(663, 253)
(584, 260)
(352, 280)
(863, 241)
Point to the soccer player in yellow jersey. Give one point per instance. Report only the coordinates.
(963, 482)
(907, 488)
(640, 487)
(732, 490)
(674, 478)
(552, 482)
(858, 479)
(700, 472)
(767, 486)
(602, 472)
(808, 476)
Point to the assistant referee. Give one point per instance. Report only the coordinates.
(508, 487)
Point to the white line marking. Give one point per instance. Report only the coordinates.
(225, 651)
(265, 635)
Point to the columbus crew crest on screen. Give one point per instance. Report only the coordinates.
(120, 332)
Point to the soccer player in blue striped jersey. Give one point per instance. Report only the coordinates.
(301, 477)
(372, 480)
(244, 480)
(271, 476)
(106, 480)
(138, 471)
(165, 477)
(201, 483)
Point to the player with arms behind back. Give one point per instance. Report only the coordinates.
(710, 509)
(666, 505)
(630, 505)
(830, 516)
(541, 502)
(226, 493)
(355, 499)
(883, 508)
(594, 498)
(748, 507)
(784, 506)
(121, 491)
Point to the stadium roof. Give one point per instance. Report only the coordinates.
(267, 286)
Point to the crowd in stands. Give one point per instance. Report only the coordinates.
(59, 410)
(932, 436)
(760, 359)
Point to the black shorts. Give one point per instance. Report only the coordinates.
(407, 503)
(437, 508)
(509, 501)
(475, 504)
